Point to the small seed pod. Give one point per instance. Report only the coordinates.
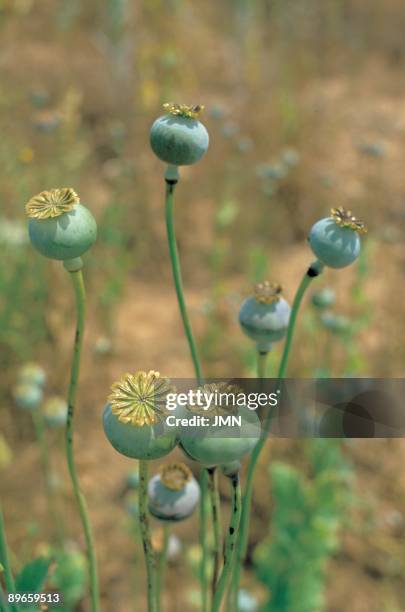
(32, 373)
(265, 315)
(55, 411)
(247, 602)
(335, 240)
(59, 226)
(229, 431)
(178, 138)
(337, 324)
(27, 396)
(324, 298)
(173, 494)
(134, 417)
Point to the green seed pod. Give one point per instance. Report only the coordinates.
(59, 227)
(178, 138)
(337, 324)
(134, 417)
(335, 240)
(27, 396)
(324, 298)
(264, 316)
(173, 494)
(32, 373)
(227, 433)
(55, 411)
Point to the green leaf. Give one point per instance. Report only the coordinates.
(33, 576)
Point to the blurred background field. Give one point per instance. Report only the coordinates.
(304, 103)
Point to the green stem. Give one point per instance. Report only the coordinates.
(3, 604)
(204, 539)
(261, 363)
(4, 560)
(178, 283)
(313, 271)
(230, 543)
(78, 285)
(39, 427)
(146, 537)
(171, 182)
(216, 520)
(162, 566)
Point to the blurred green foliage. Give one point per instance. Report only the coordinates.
(309, 510)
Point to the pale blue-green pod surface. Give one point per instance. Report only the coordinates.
(334, 246)
(324, 298)
(264, 323)
(64, 237)
(179, 141)
(216, 445)
(168, 505)
(27, 396)
(32, 373)
(146, 442)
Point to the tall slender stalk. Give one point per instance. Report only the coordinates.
(39, 426)
(313, 271)
(146, 537)
(4, 560)
(3, 604)
(80, 296)
(204, 539)
(216, 520)
(230, 543)
(171, 179)
(162, 566)
(178, 283)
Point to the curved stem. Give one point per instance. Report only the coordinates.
(171, 179)
(162, 565)
(216, 520)
(4, 560)
(204, 539)
(146, 537)
(230, 542)
(78, 285)
(178, 283)
(39, 426)
(313, 271)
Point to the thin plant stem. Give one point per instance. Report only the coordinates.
(204, 539)
(313, 271)
(216, 521)
(39, 426)
(80, 296)
(146, 537)
(178, 283)
(162, 566)
(230, 543)
(242, 543)
(261, 363)
(3, 605)
(4, 560)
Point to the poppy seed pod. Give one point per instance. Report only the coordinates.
(27, 396)
(324, 298)
(264, 316)
(33, 374)
(55, 411)
(59, 226)
(229, 431)
(134, 417)
(173, 494)
(178, 138)
(335, 240)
